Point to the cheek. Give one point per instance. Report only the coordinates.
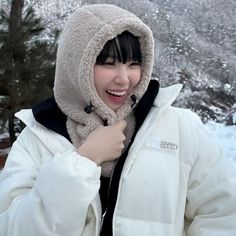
(99, 78)
(136, 76)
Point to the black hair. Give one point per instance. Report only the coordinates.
(124, 47)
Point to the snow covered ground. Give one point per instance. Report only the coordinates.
(225, 136)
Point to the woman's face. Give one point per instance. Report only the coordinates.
(115, 81)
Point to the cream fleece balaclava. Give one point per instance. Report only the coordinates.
(84, 35)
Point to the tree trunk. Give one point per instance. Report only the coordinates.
(15, 30)
(17, 50)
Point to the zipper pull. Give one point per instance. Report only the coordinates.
(103, 216)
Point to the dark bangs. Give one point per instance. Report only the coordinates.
(123, 48)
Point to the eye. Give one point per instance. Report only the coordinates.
(134, 63)
(109, 61)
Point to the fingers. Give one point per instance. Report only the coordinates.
(113, 136)
(121, 125)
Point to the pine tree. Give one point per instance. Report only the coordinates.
(27, 61)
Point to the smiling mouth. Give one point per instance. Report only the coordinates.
(116, 94)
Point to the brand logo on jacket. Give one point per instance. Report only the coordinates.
(156, 142)
(168, 145)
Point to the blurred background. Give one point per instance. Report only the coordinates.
(195, 44)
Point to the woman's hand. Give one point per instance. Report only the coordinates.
(104, 143)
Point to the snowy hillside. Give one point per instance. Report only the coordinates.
(225, 136)
(195, 45)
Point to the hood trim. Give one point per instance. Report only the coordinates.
(76, 57)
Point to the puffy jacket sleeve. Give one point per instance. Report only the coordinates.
(211, 198)
(49, 198)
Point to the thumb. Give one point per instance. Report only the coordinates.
(121, 124)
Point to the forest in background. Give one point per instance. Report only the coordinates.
(195, 45)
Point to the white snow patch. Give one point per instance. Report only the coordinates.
(224, 136)
(234, 118)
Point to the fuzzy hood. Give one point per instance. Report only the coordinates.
(86, 32)
(82, 39)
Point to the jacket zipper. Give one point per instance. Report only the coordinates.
(108, 194)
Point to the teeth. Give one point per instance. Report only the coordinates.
(117, 93)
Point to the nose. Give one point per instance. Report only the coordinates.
(122, 74)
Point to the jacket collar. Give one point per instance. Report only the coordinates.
(166, 96)
(48, 114)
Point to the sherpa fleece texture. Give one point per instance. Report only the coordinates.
(84, 35)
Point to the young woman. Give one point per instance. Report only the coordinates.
(110, 155)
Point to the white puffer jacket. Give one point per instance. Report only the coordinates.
(47, 189)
